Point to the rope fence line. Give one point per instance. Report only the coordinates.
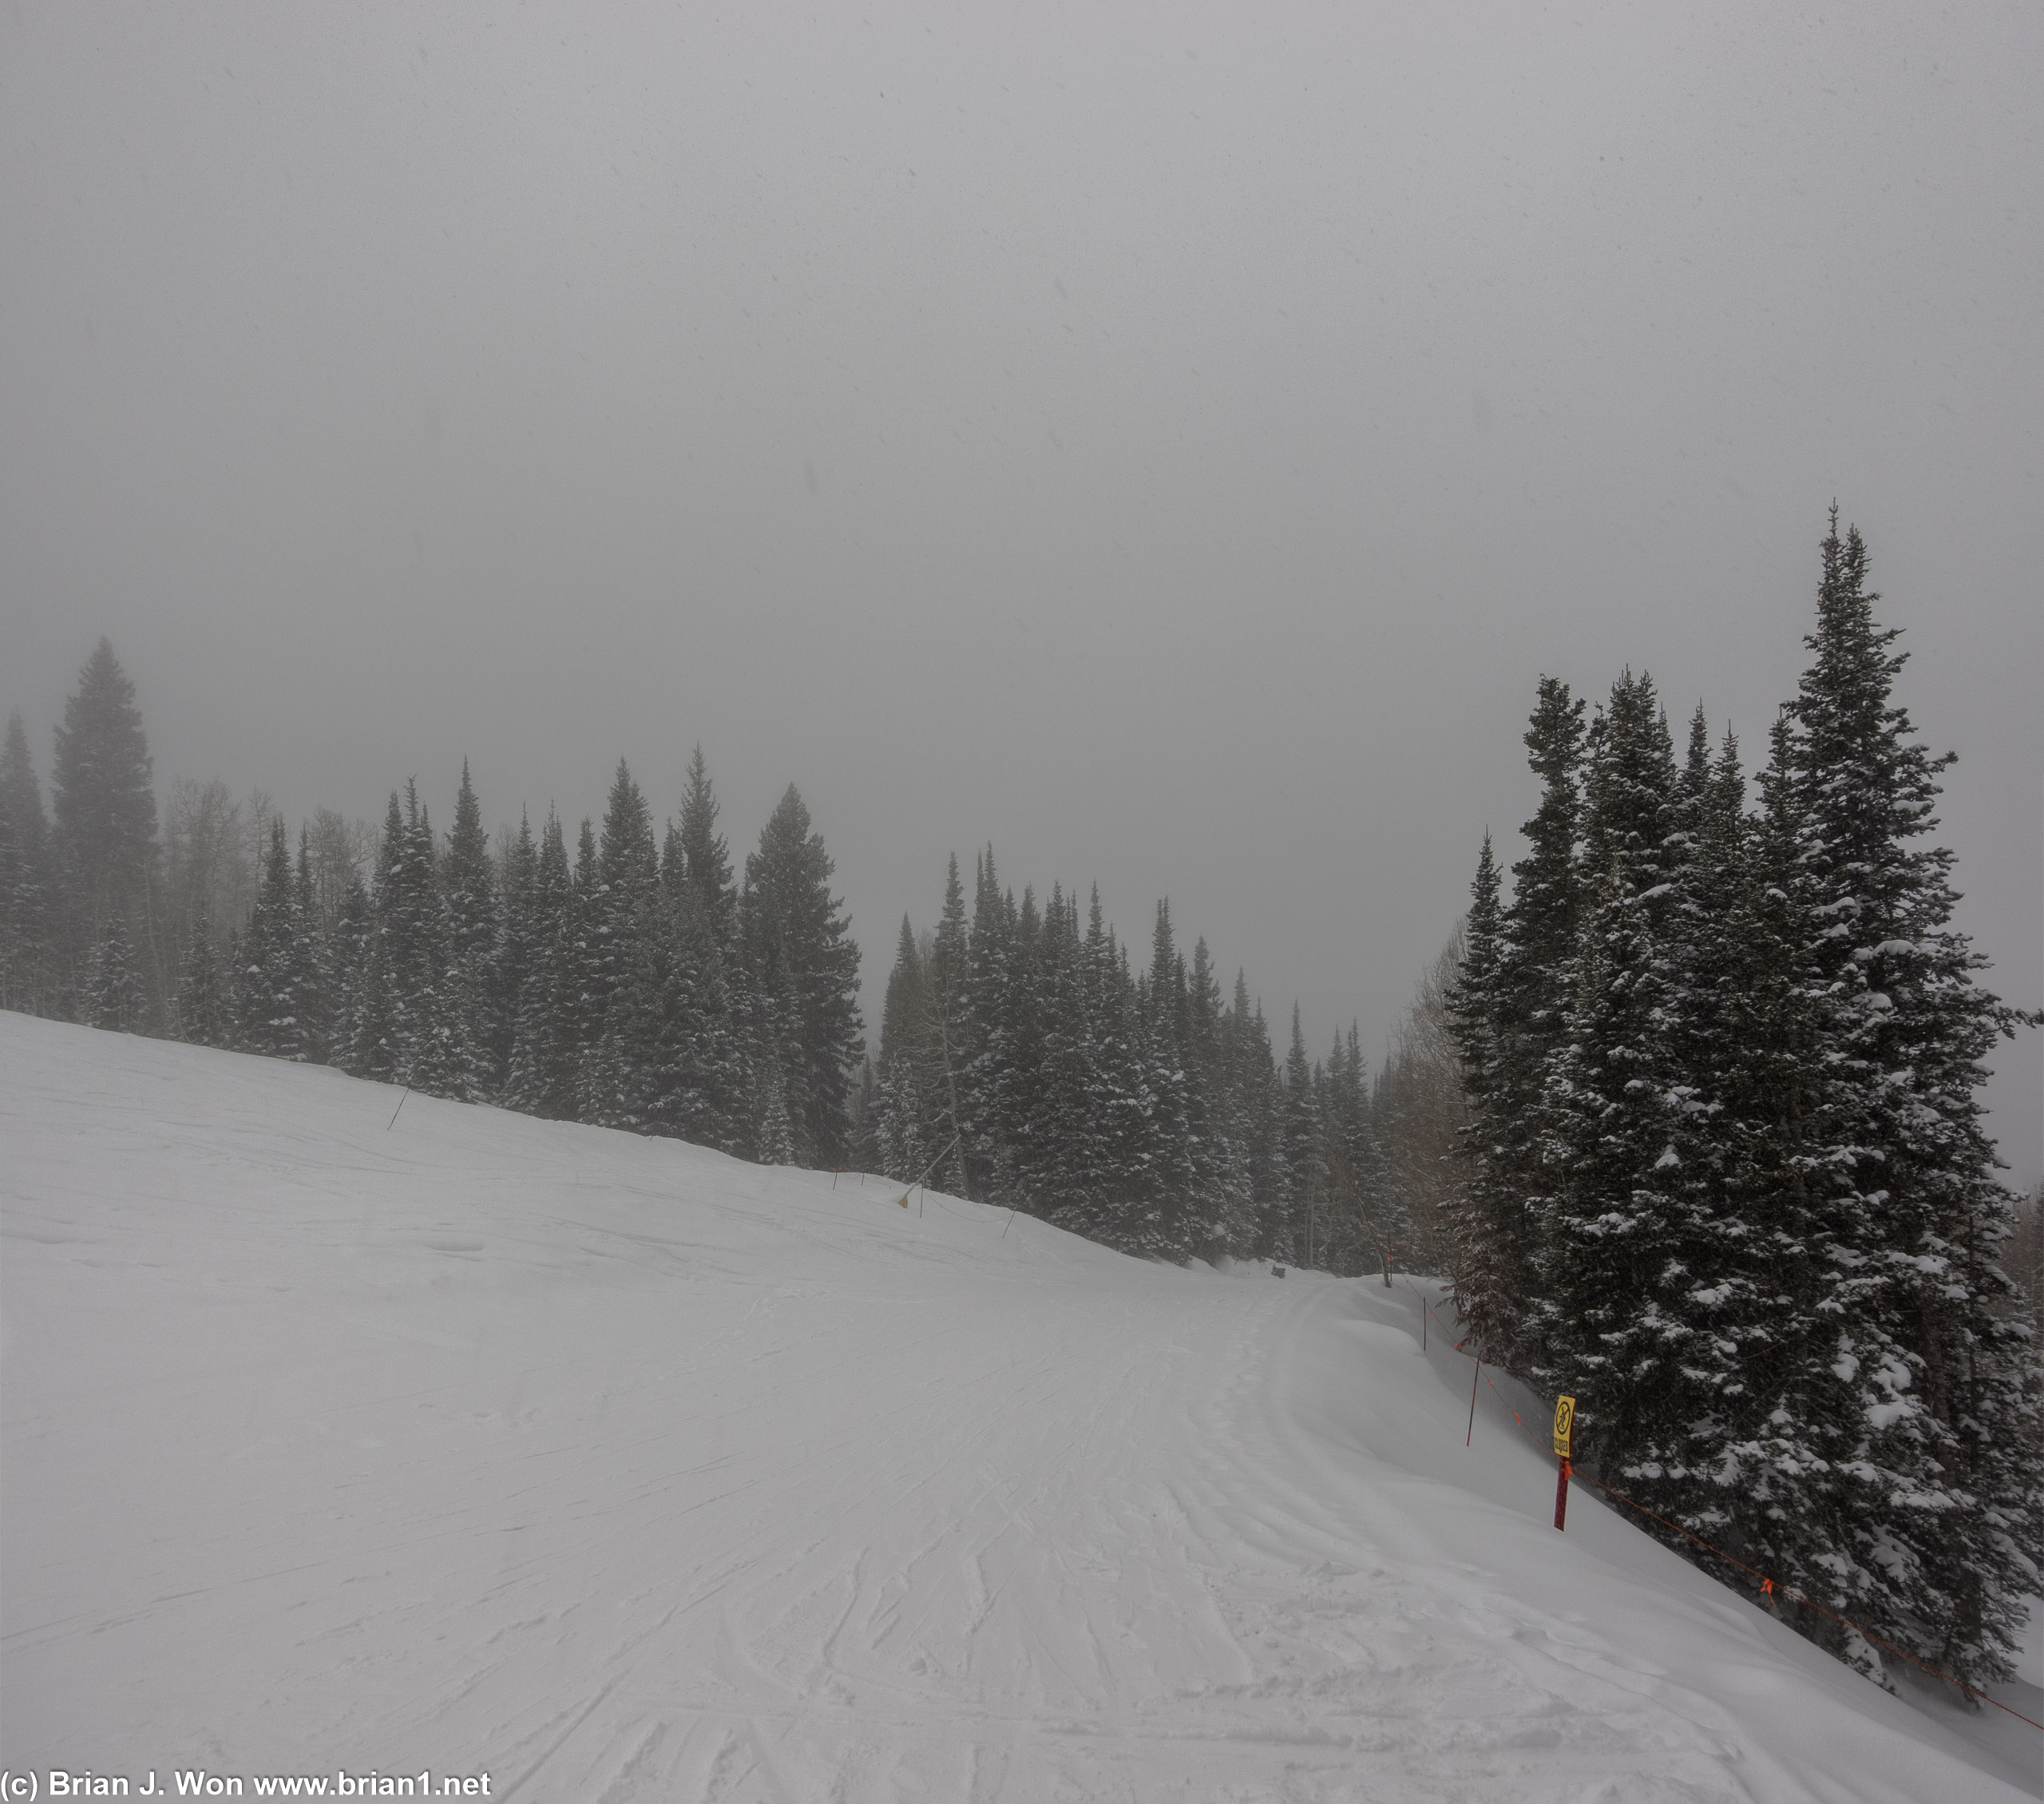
(1769, 1588)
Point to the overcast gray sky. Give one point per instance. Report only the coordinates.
(1168, 442)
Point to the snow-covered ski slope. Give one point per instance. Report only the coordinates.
(616, 1469)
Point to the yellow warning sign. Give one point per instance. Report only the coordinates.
(1564, 1423)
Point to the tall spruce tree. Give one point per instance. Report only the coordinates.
(428, 1047)
(348, 952)
(805, 966)
(1063, 1162)
(902, 1131)
(951, 1025)
(1297, 1232)
(1166, 1027)
(265, 996)
(1633, 1252)
(514, 951)
(1479, 1255)
(1255, 1077)
(469, 887)
(1933, 1502)
(315, 979)
(1529, 998)
(1225, 1227)
(628, 873)
(706, 858)
(1021, 1084)
(989, 1005)
(545, 1042)
(103, 802)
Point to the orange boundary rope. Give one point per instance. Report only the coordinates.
(1769, 1588)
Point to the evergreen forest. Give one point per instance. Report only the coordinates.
(1686, 1112)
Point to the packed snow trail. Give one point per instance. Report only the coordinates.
(618, 1469)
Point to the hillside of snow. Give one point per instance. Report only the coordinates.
(613, 1468)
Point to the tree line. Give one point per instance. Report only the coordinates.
(1027, 1059)
(1725, 1178)
(640, 983)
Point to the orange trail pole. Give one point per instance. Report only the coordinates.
(1469, 1440)
(1561, 1495)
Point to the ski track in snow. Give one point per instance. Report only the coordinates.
(620, 1470)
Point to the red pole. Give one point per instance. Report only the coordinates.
(1561, 1495)
(1475, 1378)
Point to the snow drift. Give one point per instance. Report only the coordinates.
(615, 1468)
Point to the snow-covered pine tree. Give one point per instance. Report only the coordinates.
(1118, 1196)
(774, 1137)
(314, 982)
(1304, 1171)
(646, 1034)
(428, 1008)
(112, 995)
(1935, 1504)
(1029, 1145)
(952, 1027)
(103, 804)
(1482, 1273)
(710, 1040)
(365, 1039)
(544, 1041)
(1366, 1159)
(905, 1148)
(1059, 1160)
(628, 873)
(614, 905)
(1629, 1246)
(1762, 1417)
(706, 857)
(348, 947)
(804, 962)
(200, 1011)
(989, 1005)
(474, 923)
(1164, 1027)
(515, 950)
(1345, 1243)
(902, 1130)
(1253, 1072)
(1222, 1224)
(266, 979)
(1536, 945)
(674, 1038)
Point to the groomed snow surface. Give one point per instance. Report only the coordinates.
(614, 1469)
